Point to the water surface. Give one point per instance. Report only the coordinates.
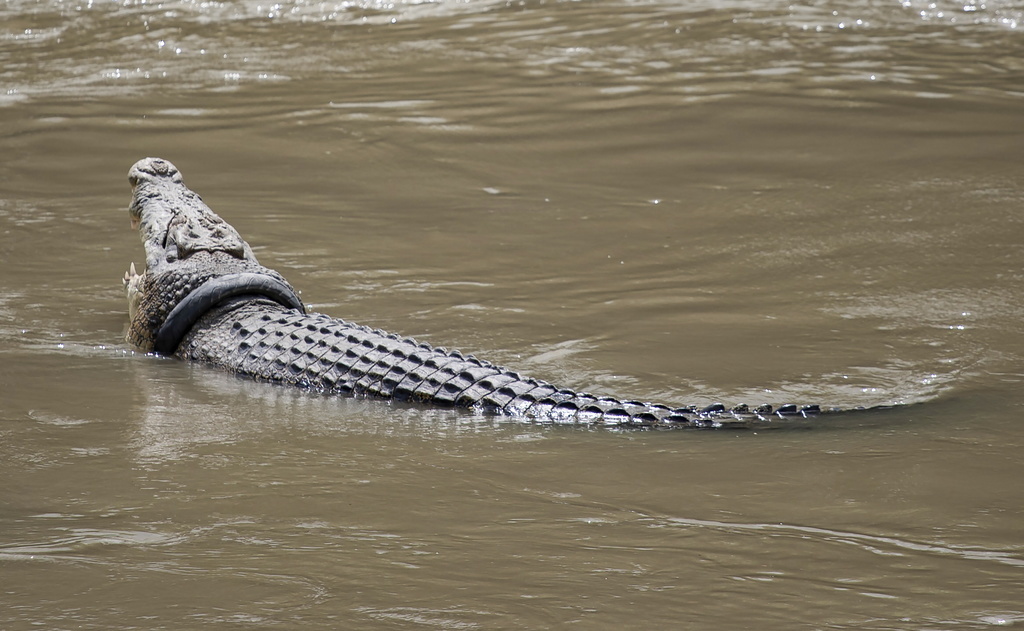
(687, 202)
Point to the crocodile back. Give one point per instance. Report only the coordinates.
(269, 342)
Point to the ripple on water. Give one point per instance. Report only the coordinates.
(711, 49)
(81, 544)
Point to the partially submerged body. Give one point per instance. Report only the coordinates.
(204, 297)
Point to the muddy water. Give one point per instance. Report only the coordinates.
(689, 202)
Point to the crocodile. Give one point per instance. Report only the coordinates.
(204, 297)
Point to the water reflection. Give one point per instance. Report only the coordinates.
(184, 408)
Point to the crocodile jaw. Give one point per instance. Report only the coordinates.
(157, 190)
(133, 291)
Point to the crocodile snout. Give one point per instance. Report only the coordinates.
(149, 169)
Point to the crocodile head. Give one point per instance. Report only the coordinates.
(173, 222)
(174, 225)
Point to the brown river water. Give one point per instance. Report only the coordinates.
(690, 202)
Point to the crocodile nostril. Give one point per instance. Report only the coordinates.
(148, 169)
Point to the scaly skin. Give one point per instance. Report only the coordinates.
(205, 298)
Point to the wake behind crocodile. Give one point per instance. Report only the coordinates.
(205, 298)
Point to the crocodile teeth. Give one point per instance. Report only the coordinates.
(130, 275)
